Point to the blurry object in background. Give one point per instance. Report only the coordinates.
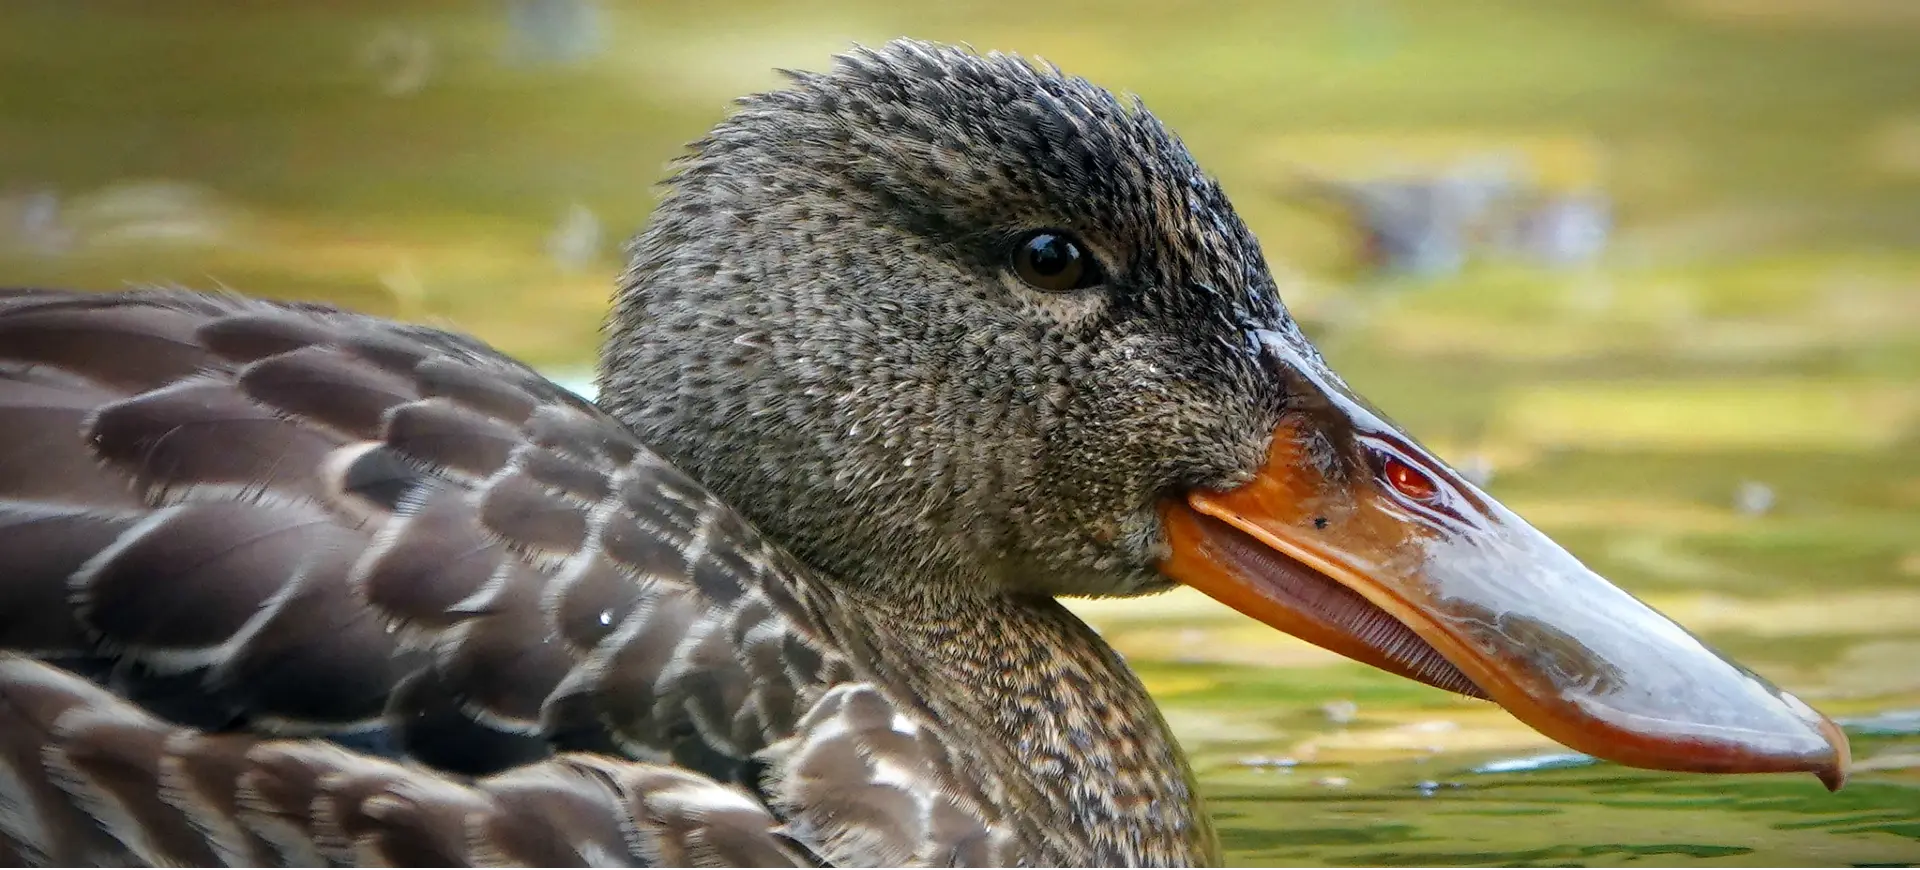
(1425, 205)
(1340, 712)
(1419, 225)
(1193, 641)
(1892, 723)
(554, 32)
(409, 293)
(1753, 498)
(400, 60)
(155, 213)
(575, 242)
(30, 222)
(1891, 761)
(1428, 787)
(1477, 468)
(1270, 762)
(1555, 229)
(1432, 225)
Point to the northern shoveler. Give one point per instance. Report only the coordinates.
(910, 350)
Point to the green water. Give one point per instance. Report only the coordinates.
(1721, 415)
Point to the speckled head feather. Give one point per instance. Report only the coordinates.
(829, 280)
(259, 554)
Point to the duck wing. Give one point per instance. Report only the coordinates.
(285, 584)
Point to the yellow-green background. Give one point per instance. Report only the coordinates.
(1756, 320)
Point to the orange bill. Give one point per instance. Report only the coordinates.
(1355, 538)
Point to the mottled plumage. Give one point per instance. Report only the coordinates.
(290, 584)
(282, 584)
(295, 522)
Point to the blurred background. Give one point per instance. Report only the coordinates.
(1648, 268)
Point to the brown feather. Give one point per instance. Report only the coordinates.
(301, 521)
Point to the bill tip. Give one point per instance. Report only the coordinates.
(1833, 774)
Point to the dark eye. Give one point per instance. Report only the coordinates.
(1054, 262)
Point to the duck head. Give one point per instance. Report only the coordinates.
(953, 326)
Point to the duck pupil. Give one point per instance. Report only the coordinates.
(1051, 255)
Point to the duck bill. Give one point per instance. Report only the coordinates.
(1355, 538)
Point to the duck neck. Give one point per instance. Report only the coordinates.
(1077, 751)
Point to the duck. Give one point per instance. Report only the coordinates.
(910, 351)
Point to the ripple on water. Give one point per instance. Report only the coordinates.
(1891, 723)
(1537, 761)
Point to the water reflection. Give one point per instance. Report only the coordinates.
(1888, 723)
(1601, 816)
(1542, 761)
(1408, 776)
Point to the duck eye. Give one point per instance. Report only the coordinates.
(1054, 262)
